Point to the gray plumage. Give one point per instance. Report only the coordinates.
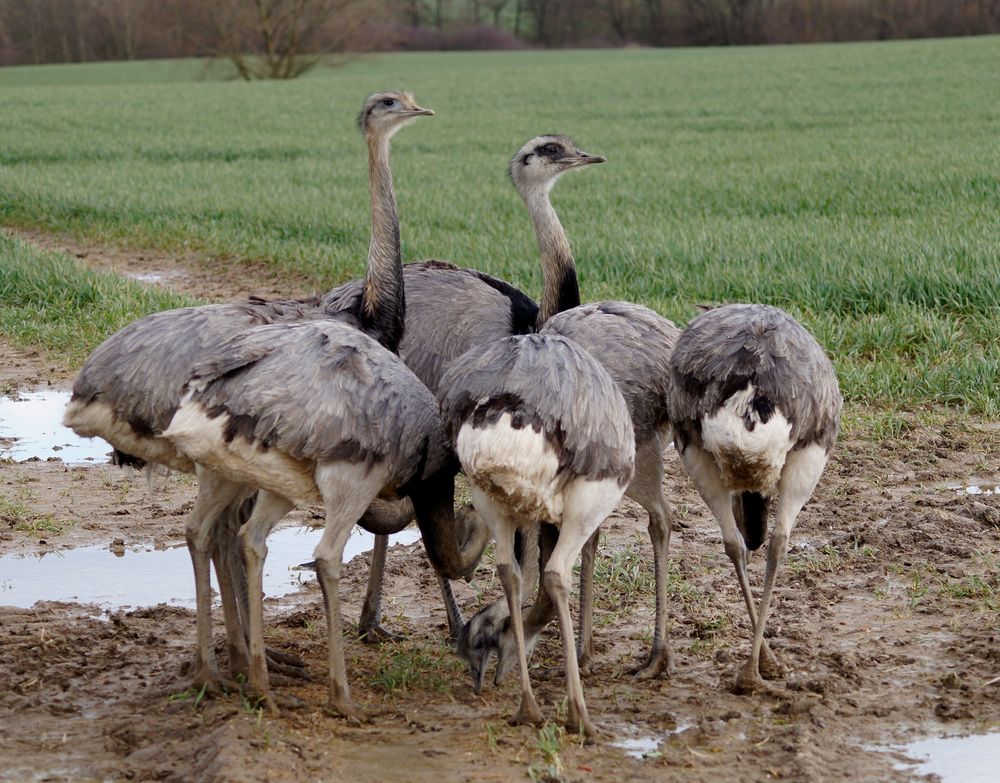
(634, 344)
(448, 311)
(324, 391)
(726, 348)
(755, 407)
(140, 369)
(552, 385)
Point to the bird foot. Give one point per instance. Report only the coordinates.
(344, 708)
(658, 663)
(585, 663)
(373, 633)
(527, 713)
(584, 728)
(284, 659)
(770, 667)
(748, 681)
(208, 682)
(261, 701)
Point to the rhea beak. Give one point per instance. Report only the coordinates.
(581, 158)
(419, 111)
(477, 669)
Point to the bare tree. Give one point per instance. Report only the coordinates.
(282, 39)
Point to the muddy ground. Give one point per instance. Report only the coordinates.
(885, 617)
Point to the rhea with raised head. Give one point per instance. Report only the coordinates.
(634, 344)
(322, 411)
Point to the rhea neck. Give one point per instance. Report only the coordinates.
(383, 302)
(560, 290)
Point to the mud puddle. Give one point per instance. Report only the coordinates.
(119, 577)
(31, 428)
(975, 486)
(971, 759)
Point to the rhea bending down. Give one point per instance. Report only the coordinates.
(755, 408)
(543, 434)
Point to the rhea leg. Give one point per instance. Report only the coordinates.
(586, 505)
(585, 638)
(647, 490)
(370, 624)
(229, 566)
(382, 518)
(232, 580)
(267, 512)
(798, 480)
(538, 546)
(504, 528)
(705, 476)
(214, 494)
(347, 490)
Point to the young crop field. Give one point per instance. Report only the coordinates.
(855, 185)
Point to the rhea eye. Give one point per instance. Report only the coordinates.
(389, 102)
(551, 149)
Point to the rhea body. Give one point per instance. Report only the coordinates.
(755, 408)
(634, 345)
(322, 411)
(542, 433)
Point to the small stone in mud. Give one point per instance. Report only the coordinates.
(118, 547)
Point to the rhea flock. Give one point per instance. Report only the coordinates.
(320, 411)
(129, 389)
(755, 409)
(633, 344)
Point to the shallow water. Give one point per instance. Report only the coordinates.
(974, 759)
(31, 427)
(638, 747)
(975, 486)
(146, 577)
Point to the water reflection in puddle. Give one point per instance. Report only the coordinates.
(974, 759)
(976, 487)
(638, 747)
(31, 427)
(147, 577)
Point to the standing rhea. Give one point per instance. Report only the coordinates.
(542, 433)
(634, 345)
(320, 411)
(130, 387)
(755, 409)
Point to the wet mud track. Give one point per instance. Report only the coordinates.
(885, 618)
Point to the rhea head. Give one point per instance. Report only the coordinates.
(541, 161)
(384, 113)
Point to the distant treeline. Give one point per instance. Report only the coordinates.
(284, 32)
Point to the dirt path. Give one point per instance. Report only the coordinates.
(885, 616)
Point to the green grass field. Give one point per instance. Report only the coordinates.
(856, 185)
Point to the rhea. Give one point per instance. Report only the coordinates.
(542, 433)
(634, 345)
(755, 409)
(129, 389)
(321, 411)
